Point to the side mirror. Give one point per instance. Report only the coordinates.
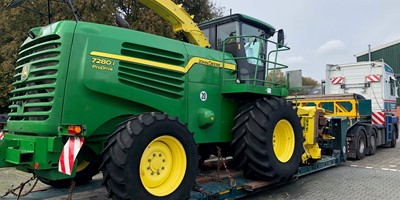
(281, 38)
(121, 22)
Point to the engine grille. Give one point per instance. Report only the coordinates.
(152, 79)
(35, 91)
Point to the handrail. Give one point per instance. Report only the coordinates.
(259, 59)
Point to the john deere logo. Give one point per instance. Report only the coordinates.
(25, 72)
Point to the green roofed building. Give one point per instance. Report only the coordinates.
(389, 53)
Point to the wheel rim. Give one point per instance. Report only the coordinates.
(163, 166)
(283, 141)
(82, 165)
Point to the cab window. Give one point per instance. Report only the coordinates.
(226, 30)
(392, 86)
(254, 46)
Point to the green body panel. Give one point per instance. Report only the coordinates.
(32, 154)
(256, 89)
(97, 76)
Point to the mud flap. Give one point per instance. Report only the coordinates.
(2, 134)
(68, 154)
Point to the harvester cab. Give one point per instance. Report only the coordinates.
(246, 39)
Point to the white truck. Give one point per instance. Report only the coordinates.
(373, 80)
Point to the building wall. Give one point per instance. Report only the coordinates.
(390, 55)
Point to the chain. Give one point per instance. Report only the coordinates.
(221, 161)
(71, 190)
(20, 188)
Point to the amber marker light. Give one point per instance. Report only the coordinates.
(74, 129)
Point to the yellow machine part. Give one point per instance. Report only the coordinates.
(179, 19)
(309, 122)
(334, 105)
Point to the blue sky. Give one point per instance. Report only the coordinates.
(324, 32)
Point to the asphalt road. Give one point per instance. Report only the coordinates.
(374, 177)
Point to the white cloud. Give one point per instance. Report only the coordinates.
(294, 60)
(331, 47)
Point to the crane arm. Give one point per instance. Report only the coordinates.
(179, 19)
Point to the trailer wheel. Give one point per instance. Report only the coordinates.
(151, 156)
(361, 142)
(373, 139)
(394, 140)
(267, 139)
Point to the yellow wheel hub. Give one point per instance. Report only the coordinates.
(82, 165)
(163, 166)
(283, 141)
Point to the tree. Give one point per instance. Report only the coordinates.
(308, 81)
(144, 19)
(276, 76)
(15, 23)
(309, 84)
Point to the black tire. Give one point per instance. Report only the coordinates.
(394, 140)
(81, 177)
(361, 142)
(130, 152)
(253, 139)
(373, 139)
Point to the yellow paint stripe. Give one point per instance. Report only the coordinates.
(192, 61)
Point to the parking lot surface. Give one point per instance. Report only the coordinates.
(374, 177)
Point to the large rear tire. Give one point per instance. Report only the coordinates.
(151, 156)
(267, 140)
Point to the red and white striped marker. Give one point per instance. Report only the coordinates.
(337, 80)
(2, 133)
(373, 78)
(68, 154)
(378, 118)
